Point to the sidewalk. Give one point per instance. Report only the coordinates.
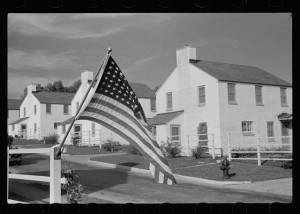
(278, 186)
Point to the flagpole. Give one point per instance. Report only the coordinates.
(104, 61)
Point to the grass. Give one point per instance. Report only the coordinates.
(208, 169)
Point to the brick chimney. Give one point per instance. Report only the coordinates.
(86, 77)
(183, 55)
(31, 88)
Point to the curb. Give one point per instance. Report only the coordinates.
(183, 178)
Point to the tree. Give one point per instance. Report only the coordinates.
(58, 86)
(49, 87)
(156, 88)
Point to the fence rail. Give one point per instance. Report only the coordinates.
(259, 145)
(55, 179)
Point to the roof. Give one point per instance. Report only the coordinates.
(18, 121)
(163, 118)
(54, 97)
(285, 116)
(68, 121)
(142, 90)
(239, 73)
(13, 104)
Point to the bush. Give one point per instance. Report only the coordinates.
(134, 151)
(73, 187)
(51, 139)
(171, 150)
(200, 152)
(111, 145)
(75, 139)
(287, 164)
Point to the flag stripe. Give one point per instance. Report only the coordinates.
(124, 122)
(121, 110)
(123, 131)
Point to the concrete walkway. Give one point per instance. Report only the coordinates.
(278, 186)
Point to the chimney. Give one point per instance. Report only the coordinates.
(86, 77)
(184, 55)
(31, 88)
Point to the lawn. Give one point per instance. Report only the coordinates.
(205, 168)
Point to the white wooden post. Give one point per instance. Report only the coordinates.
(55, 181)
(7, 162)
(213, 146)
(89, 139)
(258, 151)
(229, 147)
(100, 138)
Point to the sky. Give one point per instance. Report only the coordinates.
(43, 48)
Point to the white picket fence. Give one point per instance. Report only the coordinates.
(258, 145)
(55, 179)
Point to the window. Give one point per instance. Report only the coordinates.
(247, 126)
(283, 97)
(270, 131)
(77, 106)
(175, 133)
(169, 101)
(48, 108)
(153, 130)
(34, 109)
(285, 133)
(24, 111)
(201, 90)
(153, 105)
(63, 129)
(55, 125)
(231, 93)
(66, 109)
(34, 128)
(258, 95)
(93, 129)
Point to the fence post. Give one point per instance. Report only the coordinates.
(7, 172)
(213, 146)
(100, 138)
(258, 151)
(89, 138)
(55, 175)
(229, 148)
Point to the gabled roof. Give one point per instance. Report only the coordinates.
(13, 104)
(18, 121)
(68, 121)
(163, 118)
(239, 73)
(142, 90)
(54, 97)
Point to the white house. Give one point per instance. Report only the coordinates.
(40, 113)
(94, 133)
(204, 97)
(13, 110)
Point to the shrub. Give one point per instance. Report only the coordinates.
(75, 139)
(10, 140)
(287, 164)
(171, 150)
(200, 152)
(51, 139)
(111, 145)
(132, 150)
(73, 187)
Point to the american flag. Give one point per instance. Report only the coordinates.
(114, 105)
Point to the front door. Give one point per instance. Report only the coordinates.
(23, 131)
(77, 129)
(285, 133)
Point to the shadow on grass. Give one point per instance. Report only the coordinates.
(130, 164)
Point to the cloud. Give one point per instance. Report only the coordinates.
(18, 59)
(101, 15)
(144, 60)
(58, 26)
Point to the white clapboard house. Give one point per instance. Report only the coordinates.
(214, 98)
(92, 133)
(13, 110)
(40, 113)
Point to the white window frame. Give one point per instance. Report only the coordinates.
(200, 101)
(177, 137)
(66, 107)
(270, 133)
(153, 105)
(232, 102)
(169, 107)
(283, 97)
(259, 88)
(247, 129)
(49, 105)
